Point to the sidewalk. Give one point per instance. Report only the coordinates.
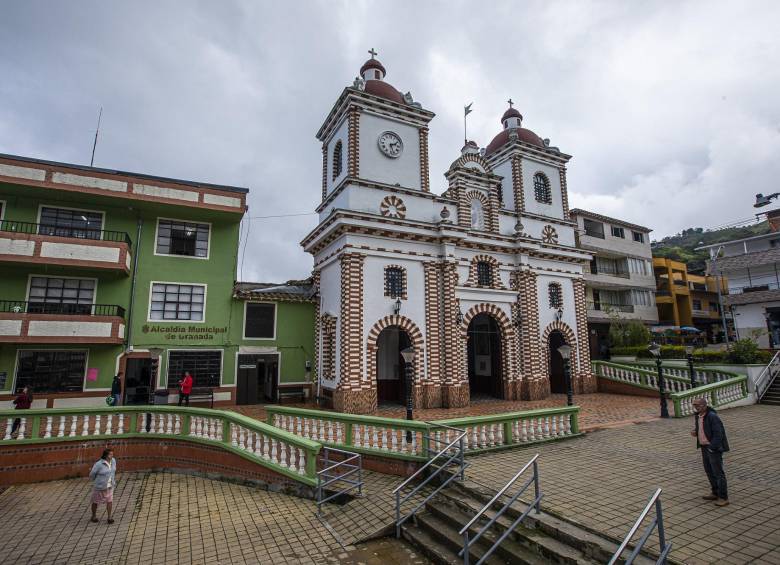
(604, 479)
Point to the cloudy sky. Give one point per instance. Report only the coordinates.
(670, 109)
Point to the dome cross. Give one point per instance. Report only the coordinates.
(372, 52)
(510, 102)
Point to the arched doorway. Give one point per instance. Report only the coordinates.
(557, 378)
(390, 365)
(484, 357)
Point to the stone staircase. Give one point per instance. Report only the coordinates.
(772, 394)
(540, 538)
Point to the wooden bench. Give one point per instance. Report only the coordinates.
(201, 394)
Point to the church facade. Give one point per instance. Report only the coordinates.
(483, 282)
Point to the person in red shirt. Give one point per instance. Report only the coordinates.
(185, 388)
(21, 402)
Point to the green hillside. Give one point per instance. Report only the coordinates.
(681, 247)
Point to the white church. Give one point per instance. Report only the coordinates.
(483, 282)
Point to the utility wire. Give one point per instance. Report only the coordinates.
(283, 215)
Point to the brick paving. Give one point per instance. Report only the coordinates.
(604, 479)
(596, 410)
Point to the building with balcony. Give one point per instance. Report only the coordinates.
(107, 271)
(751, 268)
(619, 280)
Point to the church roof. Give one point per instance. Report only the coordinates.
(372, 64)
(511, 113)
(502, 139)
(384, 90)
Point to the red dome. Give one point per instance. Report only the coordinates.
(384, 90)
(372, 64)
(511, 113)
(502, 139)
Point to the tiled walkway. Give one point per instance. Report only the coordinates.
(597, 410)
(604, 479)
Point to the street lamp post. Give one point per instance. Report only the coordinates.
(655, 350)
(408, 355)
(691, 370)
(565, 351)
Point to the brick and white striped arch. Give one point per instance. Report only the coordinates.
(507, 331)
(415, 336)
(568, 335)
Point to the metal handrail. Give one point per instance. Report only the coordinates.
(464, 531)
(767, 377)
(32, 228)
(457, 456)
(60, 308)
(325, 478)
(658, 522)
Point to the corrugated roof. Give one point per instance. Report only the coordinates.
(581, 212)
(291, 291)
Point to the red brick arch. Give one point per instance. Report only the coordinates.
(415, 335)
(472, 158)
(568, 335)
(507, 330)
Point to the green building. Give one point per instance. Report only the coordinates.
(106, 271)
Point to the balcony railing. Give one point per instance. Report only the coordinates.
(593, 233)
(754, 288)
(662, 292)
(22, 307)
(77, 233)
(607, 306)
(680, 283)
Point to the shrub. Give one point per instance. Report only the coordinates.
(747, 351)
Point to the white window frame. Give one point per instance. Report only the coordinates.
(157, 231)
(184, 283)
(612, 229)
(3, 206)
(31, 275)
(101, 212)
(83, 379)
(641, 235)
(196, 349)
(243, 326)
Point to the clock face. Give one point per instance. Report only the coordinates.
(390, 144)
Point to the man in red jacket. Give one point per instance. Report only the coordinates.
(185, 388)
(21, 402)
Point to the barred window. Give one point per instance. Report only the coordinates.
(70, 223)
(50, 295)
(395, 285)
(176, 237)
(484, 273)
(338, 154)
(204, 366)
(260, 320)
(177, 302)
(542, 191)
(51, 371)
(556, 295)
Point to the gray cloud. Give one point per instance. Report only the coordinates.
(669, 109)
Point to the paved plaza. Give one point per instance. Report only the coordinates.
(604, 479)
(597, 410)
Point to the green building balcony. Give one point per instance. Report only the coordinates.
(64, 323)
(79, 248)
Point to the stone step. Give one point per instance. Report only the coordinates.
(770, 401)
(509, 552)
(458, 512)
(589, 543)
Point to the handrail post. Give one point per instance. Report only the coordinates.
(360, 475)
(225, 431)
(462, 459)
(185, 424)
(536, 487)
(660, 525)
(398, 514)
(311, 464)
(508, 432)
(133, 422)
(575, 422)
(348, 433)
(35, 428)
(466, 547)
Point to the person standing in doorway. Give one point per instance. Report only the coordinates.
(22, 402)
(116, 389)
(711, 439)
(103, 474)
(185, 388)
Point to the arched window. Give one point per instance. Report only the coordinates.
(542, 191)
(556, 295)
(484, 273)
(477, 215)
(395, 282)
(337, 159)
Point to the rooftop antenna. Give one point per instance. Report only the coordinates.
(94, 144)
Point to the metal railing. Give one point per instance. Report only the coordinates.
(607, 306)
(767, 376)
(657, 522)
(451, 455)
(468, 542)
(76, 233)
(68, 309)
(339, 472)
(754, 288)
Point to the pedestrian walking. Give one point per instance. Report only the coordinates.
(103, 474)
(22, 402)
(116, 389)
(711, 440)
(185, 388)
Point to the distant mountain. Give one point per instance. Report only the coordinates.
(681, 247)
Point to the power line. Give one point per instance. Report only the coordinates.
(282, 215)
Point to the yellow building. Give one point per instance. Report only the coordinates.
(685, 299)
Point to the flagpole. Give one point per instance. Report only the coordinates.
(466, 112)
